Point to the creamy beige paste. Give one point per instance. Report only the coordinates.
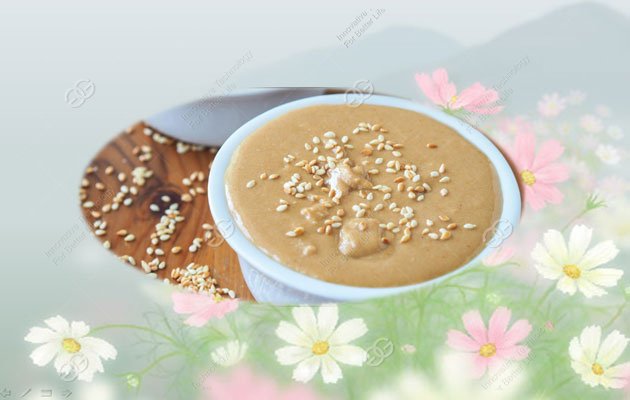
(368, 196)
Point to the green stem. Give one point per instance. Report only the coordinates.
(617, 315)
(544, 297)
(575, 218)
(149, 367)
(136, 327)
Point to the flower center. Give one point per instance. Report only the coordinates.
(320, 348)
(71, 345)
(572, 271)
(218, 298)
(597, 369)
(528, 177)
(488, 350)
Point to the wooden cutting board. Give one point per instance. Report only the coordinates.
(127, 230)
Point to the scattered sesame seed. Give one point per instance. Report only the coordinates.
(470, 226)
(251, 184)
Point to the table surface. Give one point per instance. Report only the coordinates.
(171, 162)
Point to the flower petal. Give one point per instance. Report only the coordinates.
(588, 289)
(552, 173)
(99, 346)
(460, 341)
(348, 354)
(548, 152)
(331, 372)
(58, 324)
(429, 89)
(306, 370)
(607, 277)
(619, 371)
(556, 246)
(290, 355)
(348, 331)
(446, 90)
(546, 265)
(579, 241)
(327, 318)
(590, 339)
(598, 255)
(519, 331)
(480, 365)
(475, 326)
(611, 348)
(79, 329)
(576, 351)
(305, 319)
(293, 335)
(522, 153)
(567, 285)
(44, 354)
(41, 335)
(532, 197)
(518, 352)
(498, 324)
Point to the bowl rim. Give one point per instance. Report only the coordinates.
(268, 266)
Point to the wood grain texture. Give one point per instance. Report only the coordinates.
(169, 170)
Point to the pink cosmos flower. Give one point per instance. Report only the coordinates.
(201, 307)
(244, 384)
(490, 347)
(499, 256)
(475, 99)
(538, 173)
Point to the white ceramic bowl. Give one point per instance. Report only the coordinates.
(269, 280)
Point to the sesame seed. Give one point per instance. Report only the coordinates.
(470, 226)
(442, 168)
(130, 238)
(445, 179)
(251, 184)
(396, 153)
(273, 176)
(443, 192)
(444, 218)
(154, 207)
(282, 208)
(432, 146)
(107, 244)
(176, 249)
(433, 235)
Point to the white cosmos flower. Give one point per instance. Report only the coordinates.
(230, 354)
(315, 343)
(593, 359)
(608, 154)
(65, 343)
(574, 267)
